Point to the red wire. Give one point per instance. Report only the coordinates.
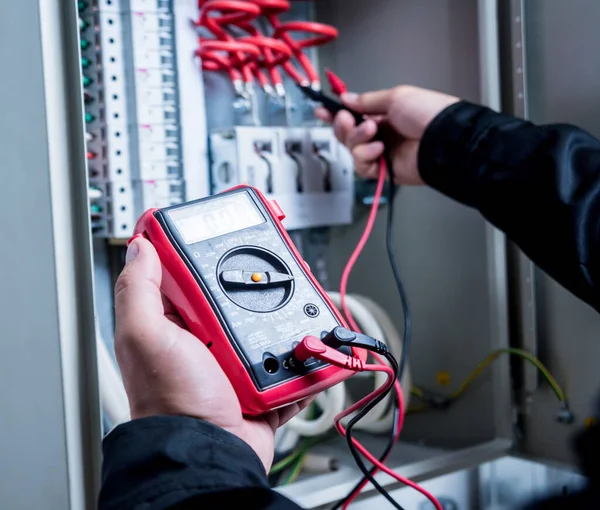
(216, 15)
(274, 73)
(398, 390)
(343, 291)
(212, 60)
(365, 452)
(325, 33)
(361, 244)
(400, 424)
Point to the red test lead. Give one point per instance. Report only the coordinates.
(338, 87)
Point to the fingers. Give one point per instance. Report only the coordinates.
(365, 159)
(172, 314)
(138, 299)
(362, 134)
(287, 413)
(371, 103)
(322, 114)
(343, 125)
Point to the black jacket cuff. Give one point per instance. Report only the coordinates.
(454, 145)
(161, 461)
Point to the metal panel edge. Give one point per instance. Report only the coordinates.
(72, 248)
(312, 494)
(489, 58)
(524, 306)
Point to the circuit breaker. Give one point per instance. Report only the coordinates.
(132, 110)
(306, 170)
(149, 123)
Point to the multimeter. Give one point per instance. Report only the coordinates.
(241, 287)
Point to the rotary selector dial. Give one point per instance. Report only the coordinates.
(255, 279)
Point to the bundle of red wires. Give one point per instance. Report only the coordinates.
(237, 46)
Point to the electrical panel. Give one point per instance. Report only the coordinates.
(153, 139)
(183, 99)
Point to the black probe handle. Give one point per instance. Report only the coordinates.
(331, 105)
(334, 107)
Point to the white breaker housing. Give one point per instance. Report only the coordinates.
(305, 169)
(138, 129)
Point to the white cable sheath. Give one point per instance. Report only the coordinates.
(331, 402)
(112, 392)
(370, 327)
(375, 322)
(394, 342)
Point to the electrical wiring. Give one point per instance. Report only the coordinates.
(214, 16)
(373, 321)
(112, 392)
(355, 447)
(331, 402)
(327, 350)
(398, 421)
(297, 465)
(289, 460)
(560, 394)
(366, 324)
(556, 388)
(394, 342)
(369, 402)
(222, 18)
(324, 34)
(399, 412)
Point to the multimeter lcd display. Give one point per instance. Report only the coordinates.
(216, 217)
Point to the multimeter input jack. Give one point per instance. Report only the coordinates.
(270, 364)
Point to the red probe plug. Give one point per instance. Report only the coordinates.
(312, 347)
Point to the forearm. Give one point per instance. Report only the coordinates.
(538, 184)
(171, 462)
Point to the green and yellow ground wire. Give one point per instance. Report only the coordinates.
(297, 457)
(560, 394)
(295, 460)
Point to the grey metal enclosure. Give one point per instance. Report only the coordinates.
(471, 291)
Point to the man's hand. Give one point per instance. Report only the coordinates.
(407, 110)
(167, 370)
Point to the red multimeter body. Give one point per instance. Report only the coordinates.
(242, 288)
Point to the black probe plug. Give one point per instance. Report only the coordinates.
(342, 337)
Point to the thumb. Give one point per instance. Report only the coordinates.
(138, 299)
(372, 103)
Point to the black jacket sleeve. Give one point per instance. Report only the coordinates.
(538, 184)
(175, 462)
